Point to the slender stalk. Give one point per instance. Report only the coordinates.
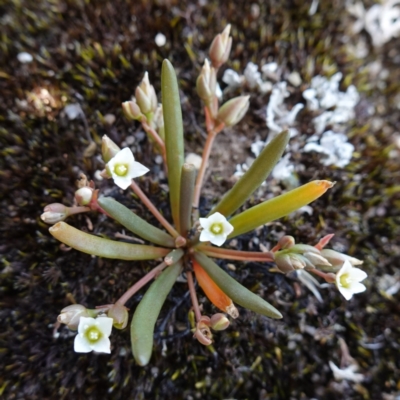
(139, 284)
(206, 155)
(77, 210)
(147, 202)
(329, 277)
(150, 131)
(202, 170)
(228, 254)
(193, 295)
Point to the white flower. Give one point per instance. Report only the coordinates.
(93, 335)
(215, 229)
(348, 280)
(123, 168)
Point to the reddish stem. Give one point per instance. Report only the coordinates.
(139, 284)
(228, 254)
(147, 202)
(193, 295)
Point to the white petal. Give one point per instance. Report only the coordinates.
(347, 293)
(346, 268)
(228, 228)
(216, 217)
(137, 170)
(358, 274)
(81, 345)
(102, 346)
(122, 181)
(205, 223)
(84, 322)
(218, 240)
(358, 287)
(105, 325)
(205, 236)
(125, 155)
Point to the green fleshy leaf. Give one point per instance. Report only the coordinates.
(254, 177)
(134, 223)
(238, 293)
(173, 130)
(188, 179)
(277, 207)
(146, 314)
(101, 247)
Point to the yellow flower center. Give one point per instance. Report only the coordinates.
(216, 228)
(121, 169)
(345, 280)
(93, 334)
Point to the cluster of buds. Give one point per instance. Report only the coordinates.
(333, 266)
(233, 110)
(202, 332)
(93, 326)
(144, 107)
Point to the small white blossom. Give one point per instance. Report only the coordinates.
(348, 280)
(123, 168)
(93, 335)
(215, 229)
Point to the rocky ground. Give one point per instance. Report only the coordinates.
(93, 54)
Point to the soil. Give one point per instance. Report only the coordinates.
(94, 54)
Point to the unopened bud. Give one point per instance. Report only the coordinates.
(221, 47)
(83, 196)
(146, 97)
(54, 213)
(71, 315)
(202, 332)
(206, 83)
(219, 322)
(233, 110)
(108, 148)
(285, 242)
(337, 259)
(316, 259)
(131, 110)
(119, 314)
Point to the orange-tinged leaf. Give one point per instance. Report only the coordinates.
(213, 292)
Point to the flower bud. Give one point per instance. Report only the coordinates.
(146, 97)
(119, 314)
(108, 148)
(285, 242)
(221, 47)
(131, 110)
(219, 322)
(71, 315)
(83, 196)
(299, 256)
(337, 259)
(233, 110)
(206, 83)
(54, 213)
(202, 332)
